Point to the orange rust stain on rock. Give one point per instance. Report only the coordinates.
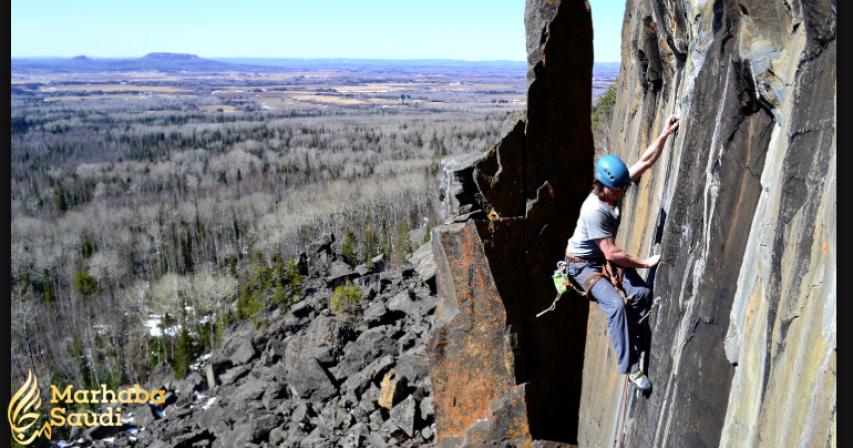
(470, 368)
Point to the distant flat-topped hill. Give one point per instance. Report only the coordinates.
(165, 62)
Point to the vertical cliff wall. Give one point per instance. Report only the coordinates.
(500, 375)
(742, 208)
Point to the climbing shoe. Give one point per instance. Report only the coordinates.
(640, 380)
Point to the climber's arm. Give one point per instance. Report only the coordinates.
(617, 256)
(651, 154)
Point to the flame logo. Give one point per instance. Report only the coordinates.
(23, 411)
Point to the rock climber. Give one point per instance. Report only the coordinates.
(592, 247)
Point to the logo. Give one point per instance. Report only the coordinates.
(23, 412)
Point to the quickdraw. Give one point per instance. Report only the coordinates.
(562, 280)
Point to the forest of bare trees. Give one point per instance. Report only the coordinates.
(141, 227)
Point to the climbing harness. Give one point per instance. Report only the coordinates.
(562, 280)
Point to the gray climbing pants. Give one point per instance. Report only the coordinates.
(622, 318)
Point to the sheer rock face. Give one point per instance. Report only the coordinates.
(499, 374)
(742, 204)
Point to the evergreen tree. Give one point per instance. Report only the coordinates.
(87, 250)
(370, 246)
(59, 199)
(348, 248)
(48, 295)
(184, 353)
(84, 283)
(403, 245)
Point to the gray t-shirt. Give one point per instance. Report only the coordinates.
(597, 220)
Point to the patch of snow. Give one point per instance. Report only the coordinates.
(210, 401)
(198, 396)
(200, 362)
(153, 325)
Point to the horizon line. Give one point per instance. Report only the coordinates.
(326, 58)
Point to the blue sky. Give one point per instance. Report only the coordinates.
(383, 29)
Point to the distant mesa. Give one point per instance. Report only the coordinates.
(159, 56)
(81, 58)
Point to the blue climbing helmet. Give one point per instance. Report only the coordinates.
(612, 172)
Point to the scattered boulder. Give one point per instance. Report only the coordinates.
(407, 302)
(187, 387)
(197, 438)
(378, 263)
(403, 415)
(413, 364)
(427, 432)
(370, 345)
(403, 302)
(277, 437)
(327, 331)
(301, 309)
(318, 255)
(339, 272)
(211, 376)
(424, 263)
(321, 244)
(249, 391)
(355, 437)
(392, 389)
(362, 270)
(244, 353)
(390, 278)
(232, 375)
(241, 434)
(375, 313)
(357, 383)
(310, 380)
(427, 408)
